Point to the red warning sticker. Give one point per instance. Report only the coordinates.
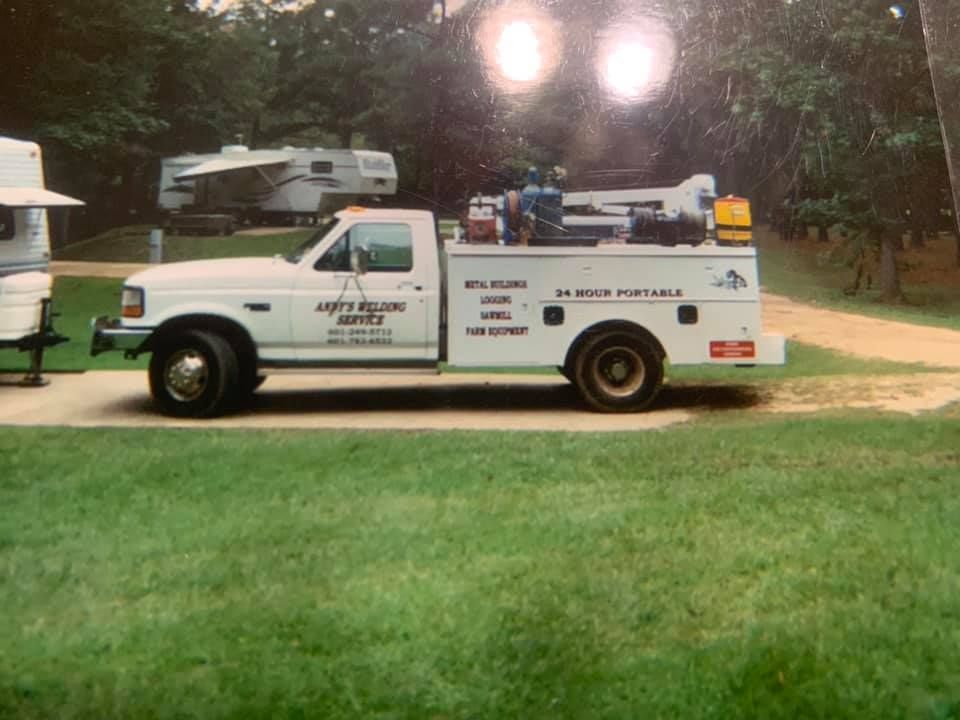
(733, 350)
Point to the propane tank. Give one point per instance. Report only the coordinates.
(734, 223)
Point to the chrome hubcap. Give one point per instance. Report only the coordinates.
(186, 375)
(619, 371)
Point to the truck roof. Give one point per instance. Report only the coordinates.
(385, 213)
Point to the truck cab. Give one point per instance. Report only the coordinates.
(227, 322)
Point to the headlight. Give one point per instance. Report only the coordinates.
(131, 302)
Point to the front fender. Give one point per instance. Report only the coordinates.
(176, 311)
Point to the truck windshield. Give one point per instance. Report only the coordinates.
(311, 242)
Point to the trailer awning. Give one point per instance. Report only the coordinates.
(260, 159)
(31, 197)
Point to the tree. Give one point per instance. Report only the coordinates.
(837, 95)
(942, 26)
(109, 86)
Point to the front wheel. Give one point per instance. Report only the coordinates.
(193, 374)
(247, 384)
(618, 372)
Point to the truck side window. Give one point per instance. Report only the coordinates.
(390, 246)
(337, 258)
(7, 226)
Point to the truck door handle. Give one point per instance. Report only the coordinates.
(408, 285)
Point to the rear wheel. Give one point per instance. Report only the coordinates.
(193, 374)
(618, 372)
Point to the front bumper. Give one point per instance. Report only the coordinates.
(110, 335)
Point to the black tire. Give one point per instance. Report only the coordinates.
(618, 372)
(193, 374)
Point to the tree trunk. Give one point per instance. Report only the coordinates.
(916, 231)
(255, 132)
(956, 235)
(890, 290)
(823, 234)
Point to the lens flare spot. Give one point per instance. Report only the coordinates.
(635, 59)
(629, 68)
(518, 52)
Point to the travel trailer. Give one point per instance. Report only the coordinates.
(24, 233)
(261, 184)
(25, 286)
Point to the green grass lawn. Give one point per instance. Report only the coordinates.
(794, 568)
(131, 244)
(80, 299)
(814, 274)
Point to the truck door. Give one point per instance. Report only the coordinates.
(379, 317)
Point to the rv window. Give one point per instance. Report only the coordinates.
(390, 246)
(7, 227)
(321, 167)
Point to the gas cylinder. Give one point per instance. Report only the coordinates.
(734, 223)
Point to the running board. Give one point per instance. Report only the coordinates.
(328, 368)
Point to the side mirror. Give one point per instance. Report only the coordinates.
(359, 260)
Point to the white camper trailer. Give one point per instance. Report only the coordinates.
(25, 252)
(24, 235)
(256, 183)
(175, 196)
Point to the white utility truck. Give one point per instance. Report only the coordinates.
(377, 290)
(25, 286)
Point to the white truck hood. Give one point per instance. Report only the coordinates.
(229, 273)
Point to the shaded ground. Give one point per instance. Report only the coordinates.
(395, 402)
(451, 402)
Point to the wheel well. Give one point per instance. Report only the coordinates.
(612, 326)
(231, 331)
